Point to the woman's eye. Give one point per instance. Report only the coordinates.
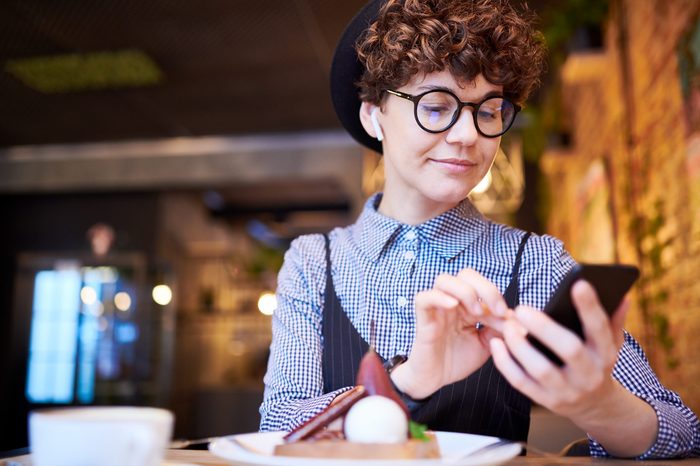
(488, 114)
(434, 109)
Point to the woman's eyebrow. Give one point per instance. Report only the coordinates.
(435, 87)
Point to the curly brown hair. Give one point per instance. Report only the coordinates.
(468, 37)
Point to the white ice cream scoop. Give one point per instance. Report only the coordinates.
(376, 419)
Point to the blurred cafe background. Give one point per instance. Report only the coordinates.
(156, 159)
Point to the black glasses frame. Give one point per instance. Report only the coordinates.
(460, 105)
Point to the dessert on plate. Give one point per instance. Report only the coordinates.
(369, 421)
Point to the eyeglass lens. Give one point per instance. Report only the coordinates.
(438, 110)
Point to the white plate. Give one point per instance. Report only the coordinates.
(257, 449)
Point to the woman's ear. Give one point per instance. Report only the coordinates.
(370, 120)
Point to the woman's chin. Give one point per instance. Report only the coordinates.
(449, 200)
(450, 194)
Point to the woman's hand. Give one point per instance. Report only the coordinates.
(448, 347)
(583, 388)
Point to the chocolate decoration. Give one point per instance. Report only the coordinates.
(328, 415)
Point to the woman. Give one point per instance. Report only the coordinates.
(433, 84)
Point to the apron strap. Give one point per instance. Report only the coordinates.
(512, 294)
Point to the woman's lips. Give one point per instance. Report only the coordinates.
(454, 165)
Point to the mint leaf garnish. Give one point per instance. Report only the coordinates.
(417, 431)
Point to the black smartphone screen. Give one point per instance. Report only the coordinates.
(611, 282)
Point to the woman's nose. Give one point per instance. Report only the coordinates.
(464, 130)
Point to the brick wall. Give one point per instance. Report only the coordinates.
(626, 114)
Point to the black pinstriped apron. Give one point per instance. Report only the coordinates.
(483, 403)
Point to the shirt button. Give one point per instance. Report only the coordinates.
(411, 235)
(408, 255)
(401, 301)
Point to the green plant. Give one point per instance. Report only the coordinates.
(265, 259)
(654, 294)
(646, 230)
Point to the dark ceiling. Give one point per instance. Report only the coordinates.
(228, 67)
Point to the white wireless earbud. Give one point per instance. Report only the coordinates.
(375, 123)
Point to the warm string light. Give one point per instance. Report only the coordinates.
(88, 295)
(267, 303)
(162, 294)
(122, 301)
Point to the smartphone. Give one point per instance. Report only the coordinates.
(611, 282)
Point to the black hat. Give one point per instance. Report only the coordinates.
(346, 70)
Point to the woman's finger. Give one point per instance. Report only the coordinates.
(437, 314)
(560, 340)
(617, 322)
(432, 299)
(463, 292)
(428, 302)
(472, 307)
(594, 320)
(532, 361)
(477, 294)
(487, 292)
(512, 371)
(581, 363)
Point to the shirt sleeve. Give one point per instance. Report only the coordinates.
(679, 429)
(294, 378)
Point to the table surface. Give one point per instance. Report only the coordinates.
(204, 458)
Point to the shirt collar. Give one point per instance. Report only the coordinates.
(375, 229)
(447, 234)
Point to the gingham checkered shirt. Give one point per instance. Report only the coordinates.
(378, 266)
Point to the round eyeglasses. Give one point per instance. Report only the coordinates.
(438, 110)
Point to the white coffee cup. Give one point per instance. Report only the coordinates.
(99, 436)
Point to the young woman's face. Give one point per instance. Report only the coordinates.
(430, 173)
